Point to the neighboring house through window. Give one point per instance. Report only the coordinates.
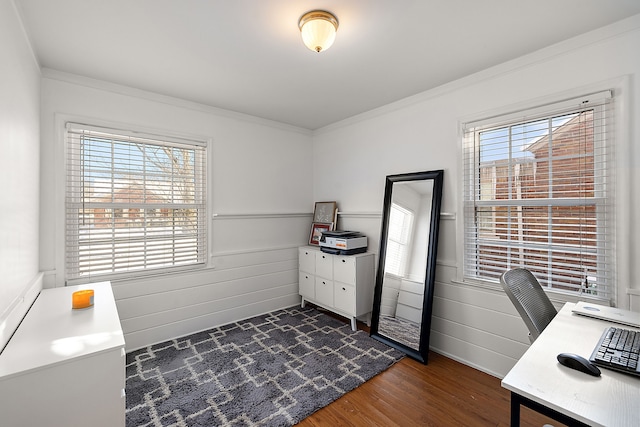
(134, 203)
(539, 194)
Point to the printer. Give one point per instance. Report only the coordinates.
(343, 242)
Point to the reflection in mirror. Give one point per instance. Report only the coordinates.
(406, 270)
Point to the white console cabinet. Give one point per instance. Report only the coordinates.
(340, 283)
(65, 367)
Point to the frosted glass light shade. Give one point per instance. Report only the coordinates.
(318, 29)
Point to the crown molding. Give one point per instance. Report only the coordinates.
(615, 30)
(52, 74)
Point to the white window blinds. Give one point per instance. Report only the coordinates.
(134, 203)
(539, 194)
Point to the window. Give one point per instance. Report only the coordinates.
(400, 225)
(134, 203)
(539, 194)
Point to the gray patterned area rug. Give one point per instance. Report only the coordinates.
(270, 370)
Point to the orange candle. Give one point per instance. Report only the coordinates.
(82, 299)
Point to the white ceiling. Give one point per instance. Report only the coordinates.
(247, 55)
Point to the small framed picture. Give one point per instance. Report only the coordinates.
(316, 232)
(325, 212)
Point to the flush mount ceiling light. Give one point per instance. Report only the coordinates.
(318, 29)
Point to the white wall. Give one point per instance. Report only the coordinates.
(478, 325)
(261, 192)
(19, 159)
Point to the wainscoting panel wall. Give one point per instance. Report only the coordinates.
(238, 283)
(195, 304)
(491, 337)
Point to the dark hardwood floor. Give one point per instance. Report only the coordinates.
(442, 393)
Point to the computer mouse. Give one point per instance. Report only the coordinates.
(579, 363)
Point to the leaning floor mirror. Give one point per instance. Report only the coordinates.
(403, 295)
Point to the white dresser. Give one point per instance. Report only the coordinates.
(340, 283)
(410, 301)
(65, 367)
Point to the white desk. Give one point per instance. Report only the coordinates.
(541, 383)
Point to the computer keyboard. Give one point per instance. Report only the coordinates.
(618, 349)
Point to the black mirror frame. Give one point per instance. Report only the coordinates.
(437, 176)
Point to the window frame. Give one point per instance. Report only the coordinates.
(529, 113)
(137, 132)
(406, 241)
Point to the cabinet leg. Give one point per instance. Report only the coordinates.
(353, 324)
(302, 303)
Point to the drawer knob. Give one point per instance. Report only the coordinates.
(344, 289)
(344, 260)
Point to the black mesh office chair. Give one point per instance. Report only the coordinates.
(526, 294)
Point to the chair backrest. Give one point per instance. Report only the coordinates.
(529, 298)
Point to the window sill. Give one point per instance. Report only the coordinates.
(141, 275)
(557, 297)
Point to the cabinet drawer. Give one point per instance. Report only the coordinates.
(411, 299)
(324, 265)
(307, 260)
(307, 285)
(409, 313)
(344, 298)
(67, 394)
(324, 291)
(344, 269)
